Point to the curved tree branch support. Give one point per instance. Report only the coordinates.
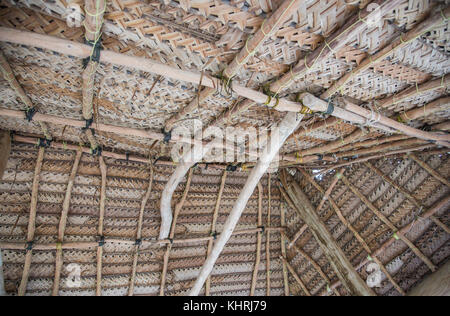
(286, 128)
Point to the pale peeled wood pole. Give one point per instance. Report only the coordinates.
(258, 243)
(81, 50)
(139, 63)
(285, 128)
(139, 233)
(62, 224)
(31, 221)
(252, 45)
(349, 278)
(213, 227)
(436, 284)
(103, 170)
(268, 272)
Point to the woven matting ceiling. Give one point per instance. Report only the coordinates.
(272, 250)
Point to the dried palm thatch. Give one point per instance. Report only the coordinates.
(94, 93)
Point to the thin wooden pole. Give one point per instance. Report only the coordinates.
(62, 223)
(31, 222)
(430, 170)
(213, 227)
(139, 233)
(178, 208)
(400, 42)
(131, 242)
(442, 204)
(268, 238)
(5, 150)
(407, 194)
(283, 250)
(349, 277)
(253, 44)
(353, 230)
(295, 275)
(103, 171)
(388, 223)
(258, 243)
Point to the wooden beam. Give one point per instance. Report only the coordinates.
(441, 104)
(5, 150)
(282, 131)
(252, 45)
(295, 275)
(31, 222)
(350, 279)
(283, 250)
(430, 170)
(439, 206)
(436, 284)
(400, 42)
(137, 246)
(355, 25)
(178, 208)
(75, 49)
(213, 227)
(353, 230)
(431, 85)
(8, 75)
(268, 236)
(101, 219)
(407, 194)
(62, 223)
(388, 223)
(313, 263)
(258, 243)
(131, 242)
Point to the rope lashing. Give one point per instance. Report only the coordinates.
(97, 151)
(138, 242)
(263, 228)
(95, 54)
(232, 168)
(101, 241)
(167, 136)
(330, 108)
(29, 114)
(214, 235)
(304, 109)
(59, 246)
(29, 246)
(88, 124)
(170, 240)
(271, 95)
(44, 142)
(225, 85)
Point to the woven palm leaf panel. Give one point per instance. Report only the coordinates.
(204, 37)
